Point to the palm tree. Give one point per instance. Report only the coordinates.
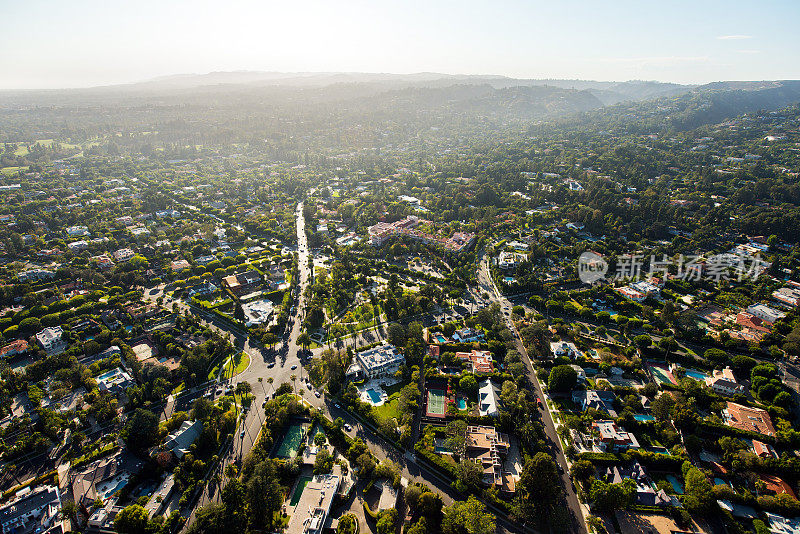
(304, 339)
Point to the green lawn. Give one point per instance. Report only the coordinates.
(240, 363)
(390, 409)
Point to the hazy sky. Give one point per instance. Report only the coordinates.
(78, 43)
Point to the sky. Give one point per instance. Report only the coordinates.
(83, 43)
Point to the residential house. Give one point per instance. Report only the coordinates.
(377, 362)
(179, 441)
(612, 437)
(645, 494)
(15, 348)
(115, 381)
(778, 524)
(124, 254)
(180, 265)
(480, 360)
(51, 339)
(103, 478)
(765, 313)
(488, 448)
(312, 512)
(724, 382)
(747, 418)
(764, 450)
(599, 400)
(243, 283)
(467, 335)
(565, 349)
(488, 399)
(32, 511)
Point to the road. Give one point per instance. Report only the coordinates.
(487, 285)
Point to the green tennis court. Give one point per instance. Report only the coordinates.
(291, 442)
(436, 404)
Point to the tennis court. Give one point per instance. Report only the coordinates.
(291, 441)
(436, 402)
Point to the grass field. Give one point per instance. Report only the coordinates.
(240, 363)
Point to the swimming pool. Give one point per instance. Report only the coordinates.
(718, 481)
(374, 396)
(697, 375)
(676, 484)
(302, 482)
(462, 404)
(439, 338)
(291, 441)
(643, 418)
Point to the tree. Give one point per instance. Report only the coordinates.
(611, 497)
(662, 406)
(467, 517)
(348, 524)
(233, 497)
(699, 494)
(210, 519)
(397, 334)
(420, 527)
(538, 488)
(131, 520)
(562, 378)
(468, 383)
(469, 473)
(456, 436)
(141, 430)
(386, 521)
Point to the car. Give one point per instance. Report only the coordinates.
(294, 367)
(308, 385)
(270, 365)
(348, 427)
(241, 434)
(316, 394)
(336, 405)
(220, 391)
(263, 404)
(208, 394)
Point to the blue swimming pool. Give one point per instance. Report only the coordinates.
(643, 417)
(374, 395)
(462, 404)
(676, 484)
(697, 375)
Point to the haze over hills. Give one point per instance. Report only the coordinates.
(200, 107)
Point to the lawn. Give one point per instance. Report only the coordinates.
(240, 361)
(390, 408)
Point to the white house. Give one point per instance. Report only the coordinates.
(488, 399)
(51, 340)
(724, 382)
(38, 510)
(765, 313)
(379, 361)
